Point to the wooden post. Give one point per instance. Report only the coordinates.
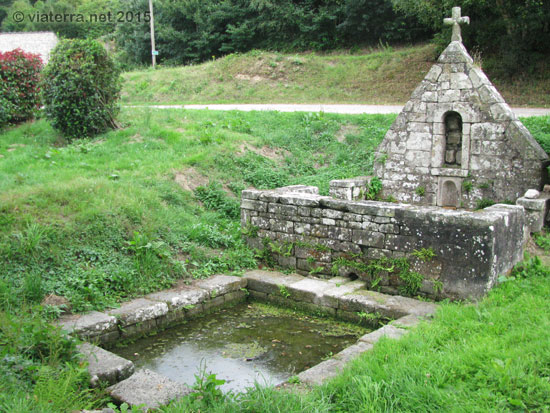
(152, 21)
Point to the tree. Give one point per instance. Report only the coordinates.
(517, 31)
(81, 87)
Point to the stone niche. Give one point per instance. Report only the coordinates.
(458, 140)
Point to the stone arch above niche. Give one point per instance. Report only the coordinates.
(454, 134)
(449, 192)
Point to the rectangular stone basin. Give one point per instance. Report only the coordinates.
(243, 344)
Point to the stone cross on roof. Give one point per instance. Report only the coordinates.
(456, 21)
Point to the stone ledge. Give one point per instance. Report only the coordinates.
(138, 311)
(149, 389)
(88, 325)
(180, 299)
(105, 366)
(221, 284)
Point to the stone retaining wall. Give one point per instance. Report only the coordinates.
(314, 234)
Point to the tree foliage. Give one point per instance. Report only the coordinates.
(19, 86)
(516, 31)
(81, 87)
(197, 30)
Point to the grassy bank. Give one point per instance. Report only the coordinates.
(156, 203)
(383, 76)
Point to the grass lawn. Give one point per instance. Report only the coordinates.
(137, 209)
(373, 76)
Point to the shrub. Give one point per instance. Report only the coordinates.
(81, 86)
(19, 86)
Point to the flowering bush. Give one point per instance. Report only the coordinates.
(81, 87)
(19, 86)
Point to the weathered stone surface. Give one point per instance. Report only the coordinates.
(312, 290)
(387, 305)
(354, 351)
(531, 194)
(321, 372)
(407, 321)
(88, 325)
(269, 281)
(104, 366)
(147, 388)
(177, 299)
(139, 311)
(221, 284)
(388, 331)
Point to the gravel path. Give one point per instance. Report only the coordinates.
(344, 109)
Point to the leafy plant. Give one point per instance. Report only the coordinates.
(467, 186)
(80, 88)
(374, 188)
(542, 239)
(19, 86)
(284, 291)
(424, 254)
(368, 318)
(484, 203)
(206, 388)
(420, 191)
(214, 197)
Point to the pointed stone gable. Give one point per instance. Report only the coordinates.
(457, 141)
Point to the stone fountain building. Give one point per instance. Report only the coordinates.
(456, 141)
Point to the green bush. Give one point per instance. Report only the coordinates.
(81, 87)
(19, 86)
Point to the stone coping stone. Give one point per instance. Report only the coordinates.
(310, 290)
(221, 284)
(105, 366)
(354, 351)
(391, 306)
(269, 281)
(88, 325)
(138, 311)
(350, 182)
(408, 321)
(178, 299)
(321, 372)
(388, 331)
(148, 389)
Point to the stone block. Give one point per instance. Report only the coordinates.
(139, 311)
(178, 299)
(332, 295)
(253, 194)
(353, 351)
(268, 282)
(147, 388)
(388, 331)
(282, 209)
(407, 321)
(104, 366)
(308, 200)
(321, 372)
(92, 324)
(368, 238)
(214, 303)
(221, 284)
(388, 306)
(312, 290)
(253, 205)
